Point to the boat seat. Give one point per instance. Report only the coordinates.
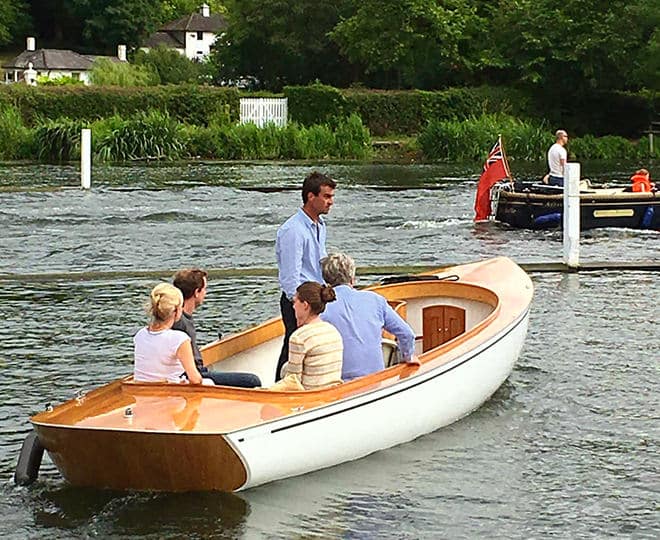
(390, 352)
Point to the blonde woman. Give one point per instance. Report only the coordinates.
(315, 348)
(163, 354)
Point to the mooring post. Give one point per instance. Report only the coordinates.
(572, 215)
(86, 158)
(651, 142)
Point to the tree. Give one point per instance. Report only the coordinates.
(419, 42)
(171, 66)
(105, 72)
(13, 17)
(109, 23)
(574, 45)
(282, 42)
(175, 9)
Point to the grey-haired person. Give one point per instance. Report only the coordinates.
(360, 317)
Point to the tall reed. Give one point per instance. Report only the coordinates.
(150, 135)
(16, 140)
(58, 140)
(470, 140)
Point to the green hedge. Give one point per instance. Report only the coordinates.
(383, 112)
(186, 103)
(610, 113)
(402, 111)
(315, 104)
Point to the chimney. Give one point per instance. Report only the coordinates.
(31, 44)
(204, 10)
(121, 52)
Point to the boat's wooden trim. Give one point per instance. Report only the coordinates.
(144, 460)
(98, 401)
(432, 288)
(608, 195)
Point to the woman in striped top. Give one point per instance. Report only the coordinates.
(315, 348)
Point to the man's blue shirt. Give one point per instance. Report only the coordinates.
(360, 317)
(299, 248)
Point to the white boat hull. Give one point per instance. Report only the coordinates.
(356, 427)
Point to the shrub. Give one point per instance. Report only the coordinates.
(152, 135)
(315, 103)
(15, 139)
(58, 81)
(471, 139)
(408, 112)
(352, 138)
(58, 140)
(169, 66)
(198, 141)
(105, 72)
(608, 147)
(186, 103)
(247, 141)
(317, 141)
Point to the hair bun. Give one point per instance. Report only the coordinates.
(328, 294)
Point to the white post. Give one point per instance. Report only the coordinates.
(651, 141)
(86, 158)
(572, 215)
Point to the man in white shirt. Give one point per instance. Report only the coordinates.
(557, 157)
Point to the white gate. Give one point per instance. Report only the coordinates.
(261, 111)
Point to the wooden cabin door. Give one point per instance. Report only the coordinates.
(440, 324)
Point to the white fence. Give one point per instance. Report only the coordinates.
(261, 111)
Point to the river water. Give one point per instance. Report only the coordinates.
(567, 447)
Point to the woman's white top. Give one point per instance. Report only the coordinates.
(155, 355)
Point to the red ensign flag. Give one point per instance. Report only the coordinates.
(495, 169)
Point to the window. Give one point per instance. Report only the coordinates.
(200, 36)
(75, 76)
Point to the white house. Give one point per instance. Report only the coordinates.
(53, 63)
(191, 35)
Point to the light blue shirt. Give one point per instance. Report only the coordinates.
(360, 317)
(299, 248)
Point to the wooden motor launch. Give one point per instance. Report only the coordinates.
(536, 205)
(470, 323)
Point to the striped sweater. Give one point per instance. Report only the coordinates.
(315, 355)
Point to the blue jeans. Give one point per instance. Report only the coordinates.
(232, 378)
(555, 180)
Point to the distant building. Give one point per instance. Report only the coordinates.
(53, 63)
(192, 35)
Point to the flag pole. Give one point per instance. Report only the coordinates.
(506, 160)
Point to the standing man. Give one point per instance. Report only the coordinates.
(557, 158)
(299, 248)
(192, 283)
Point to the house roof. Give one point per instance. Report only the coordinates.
(48, 59)
(196, 22)
(163, 38)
